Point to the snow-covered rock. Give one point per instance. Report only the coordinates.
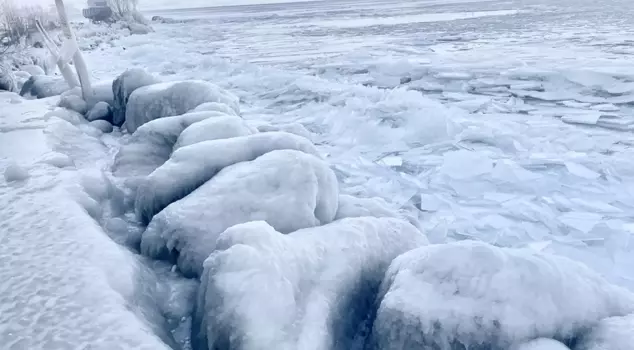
(152, 144)
(124, 86)
(613, 333)
(42, 86)
(139, 28)
(101, 111)
(168, 99)
(216, 107)
(293, 128)
(190, 167)
(474, 295)
(103, 125)
(74, 103)
(213, 129)
(21, 78)
(7, 79)
(288, 189)
(33, 69)
(311, 289)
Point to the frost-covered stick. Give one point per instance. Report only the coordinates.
(80, 64)
(64, 68)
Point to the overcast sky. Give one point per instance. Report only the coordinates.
(154, 4)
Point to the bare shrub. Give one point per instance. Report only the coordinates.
(17, 23)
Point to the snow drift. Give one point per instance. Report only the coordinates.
(174, 98)
(288, 189)
(477, 296)
(191, 166)
(310, 289)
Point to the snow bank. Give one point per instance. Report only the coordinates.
(168, 99)
(613, 333)
(191, 166)
(124, 86)
(311, 289)
(152, 144)
(474, 295)
(288, 189)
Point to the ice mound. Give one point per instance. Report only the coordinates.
(124, 86)
(191, 166)
(152, 144)
(168, 99)
(311, 289)
(478, 296)
(42, 86)
(293, 128)
(288, 189)
(613, 333)
(216, 107)
(213, 129)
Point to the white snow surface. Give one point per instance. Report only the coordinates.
(190, 167)
(288, 189)
(172, 98)
(474, 295)
(310, 289)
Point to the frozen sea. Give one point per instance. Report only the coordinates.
(507, 122)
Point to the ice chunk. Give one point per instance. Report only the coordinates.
(216, 107)
(103, 125)
(311, 289)
(288, 189)
(542, 344)
(588, 118)
(152, 144)
(353, 207)
(168, 99)
(213, 129)
(581, 171)
(581, 221)
(605, 107)
(191, 166)
(463, 164)
(124, 86)
(474, 295)
(101, 111)
(613, 333)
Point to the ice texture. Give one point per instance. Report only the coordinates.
(216, 107)
(311, 289)
(190, 167)
(123, 86)
(542, 344)
(152, 144)
(168, 99)
(612, 333)
(101, 111)
(474, 295)
(286, 188)
(352, 207)
(42, 86)
(74, 103)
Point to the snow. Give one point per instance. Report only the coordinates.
(471, 293)
(173, 98)
(186, 230)
(612, 333)
(310, 289)
(190, 167)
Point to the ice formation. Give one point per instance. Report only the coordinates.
(124, 86)
(190, 167)
(168, 99)
(42, 86)
(613, 333)
(213, 129)
(311, 289)
(478, 296)
(288, 189)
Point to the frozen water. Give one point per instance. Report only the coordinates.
(190, 167)
(542, 344)
(101, 111)
(42, 86)
(124, 86)
(286, 188)
(613, 333)
(471, 294)
(173, 98)
(74, 103)
(310, 289)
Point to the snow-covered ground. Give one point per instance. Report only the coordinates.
(508, 122)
